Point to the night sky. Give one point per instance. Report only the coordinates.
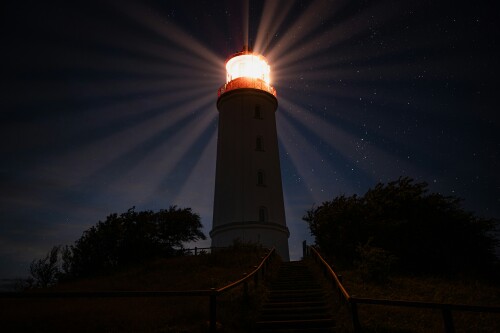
(112, 105)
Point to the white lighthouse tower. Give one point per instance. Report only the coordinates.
(248, 202)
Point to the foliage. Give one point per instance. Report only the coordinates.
(132, 237)
(427, 232)
(374, 263)
(120, 240)
(45, 272)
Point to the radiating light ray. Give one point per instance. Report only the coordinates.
(100, 122)
(335, 35)
(395, 72)
(110, 113)
(89, 159)
(139, 45)
(175, 77)
(303, 27)
(293, 71)
(245, 15)
(198, 190)
(382, 52)
(368, 93)
(273, 15)
(36, 197)
(50, 91)
(357, 55)
(161, 160)
(380, 127)
(127, 87)
(170, 31)
(357, 151)
(452, 68)
(304, 157)
(419, 59)
(345, 165)
(127, 64)
(110, 42)
(138, 109)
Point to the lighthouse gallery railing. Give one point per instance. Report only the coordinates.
(245, 82)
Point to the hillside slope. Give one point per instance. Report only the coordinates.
(172, 314)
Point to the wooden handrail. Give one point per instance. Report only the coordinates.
(99, 294)
(444, 307)
(333, 275)
(247, 276)
(211, 293)
(428, 305)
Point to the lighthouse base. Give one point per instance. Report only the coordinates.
(263, 233)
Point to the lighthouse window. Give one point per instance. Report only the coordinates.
(258, 144)
(257, 114)
(262, 214)
(260, 178)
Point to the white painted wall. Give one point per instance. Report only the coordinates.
(238, 196)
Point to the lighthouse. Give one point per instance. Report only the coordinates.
(248, 199)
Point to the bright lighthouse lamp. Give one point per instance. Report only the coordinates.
(248, 65)
(247, 70)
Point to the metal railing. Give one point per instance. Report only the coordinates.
(196, 251)
(246, 82)
(257, 273)
(352, 302)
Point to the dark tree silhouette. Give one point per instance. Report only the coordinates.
(45, 272)
(425, 232)
(133, 237)
(120, 240)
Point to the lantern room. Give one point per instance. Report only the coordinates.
(248, 65)
(247, 70)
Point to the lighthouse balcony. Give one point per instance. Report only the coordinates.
(246, 82)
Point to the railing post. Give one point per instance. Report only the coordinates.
(195, 251)
(213, 311)
(355, 318)
(448, 320)
(304, 249)
(256, 276)
(245, 289)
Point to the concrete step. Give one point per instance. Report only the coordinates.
(295, 303)
(295, 298)
(299, 330)
(295, 324)
(308, 291)
(295, 292)
(295, 316)
(301, 308)
(288, 286)
(289, 305)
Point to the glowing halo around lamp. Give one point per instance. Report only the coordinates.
(247, 70)
(248, 65)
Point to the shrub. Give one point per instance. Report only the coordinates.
(375, 263)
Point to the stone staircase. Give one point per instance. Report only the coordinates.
(296, 303)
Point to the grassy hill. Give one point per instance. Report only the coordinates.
(173, 314)
(458, 290)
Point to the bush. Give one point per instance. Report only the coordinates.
(130, 237)
(427, 232)
(45, 272)
(375, 263)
